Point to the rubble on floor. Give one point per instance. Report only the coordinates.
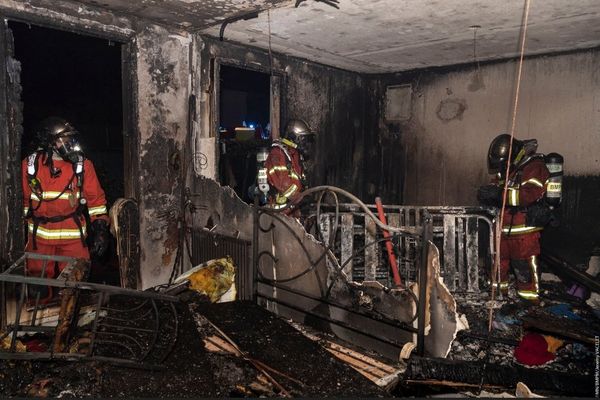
(558, 334)
(235, 349)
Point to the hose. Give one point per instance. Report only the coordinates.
(361, 204)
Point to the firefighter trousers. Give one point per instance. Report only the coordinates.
(71, 248)
(521, 252)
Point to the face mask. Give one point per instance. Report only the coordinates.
(306, 146)
(68, 148)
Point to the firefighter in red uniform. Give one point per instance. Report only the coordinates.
(61, 198)
(285, 164)
(525, 214)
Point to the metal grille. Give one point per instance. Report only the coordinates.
(207, 246)
(84, 320)
(463, 235)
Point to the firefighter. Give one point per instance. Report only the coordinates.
(62, 198)
(525, 213)
(285, 164)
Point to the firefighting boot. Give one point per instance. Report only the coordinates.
(527, 279)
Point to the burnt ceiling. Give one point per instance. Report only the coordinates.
(379, 36)
(186, 14)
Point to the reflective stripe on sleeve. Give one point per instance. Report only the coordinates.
(276, 168)
(513, 197)
(534, 181)
(291, 190)
(97, 210)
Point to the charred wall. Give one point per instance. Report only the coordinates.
(157, 67)
(330, 100)
(163, 85)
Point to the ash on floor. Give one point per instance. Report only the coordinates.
(192, 371)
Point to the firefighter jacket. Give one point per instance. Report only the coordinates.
(527, 185)
(284, 172)
(53, 206)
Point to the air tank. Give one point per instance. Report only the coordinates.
(554, 163)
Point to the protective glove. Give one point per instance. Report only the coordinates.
(490, 195)
(100, 238)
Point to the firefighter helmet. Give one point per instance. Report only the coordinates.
(297, 128)
(61, 136)
(298, 132)
(499, 151)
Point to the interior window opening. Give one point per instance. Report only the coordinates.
(244, 127)
(76, 78)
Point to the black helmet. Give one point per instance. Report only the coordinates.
(57, 134)
(297, 128)
(298, 132)
(498, 153)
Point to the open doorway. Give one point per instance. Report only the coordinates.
(77, 78)
(244, 126)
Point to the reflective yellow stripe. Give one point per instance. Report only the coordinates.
(520, 229)
(527, 294)
(513, 197)
(97, 210)
(276, 168)
(534, 272)
(536, 182)
(57, 234)
(291, 190)
(503, 285)
(53, 195)
(293, 175)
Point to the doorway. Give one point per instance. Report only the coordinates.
(78, 78)
(244, 126)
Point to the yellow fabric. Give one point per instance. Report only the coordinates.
(553, 343)
(214, 278)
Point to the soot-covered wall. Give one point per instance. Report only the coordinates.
(157, 65)
(330, 100)
(455, 113)
(440, 150)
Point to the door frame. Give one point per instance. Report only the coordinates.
(275, 93)
(130, 130)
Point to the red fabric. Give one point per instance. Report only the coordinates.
(281, 180)
(36, 346)
(92, 192)
(528, 193)
(69, 249)
(533, 350)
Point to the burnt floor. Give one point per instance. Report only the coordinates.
(193, 371)
(513, 318)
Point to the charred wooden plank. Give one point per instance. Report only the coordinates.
(559, 326)
(467, 373)
(69, 305)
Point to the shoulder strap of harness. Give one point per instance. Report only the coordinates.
(284, 149)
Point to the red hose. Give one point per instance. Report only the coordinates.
(388, 244)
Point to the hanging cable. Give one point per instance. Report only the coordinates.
(498, 230)
(496, 269)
